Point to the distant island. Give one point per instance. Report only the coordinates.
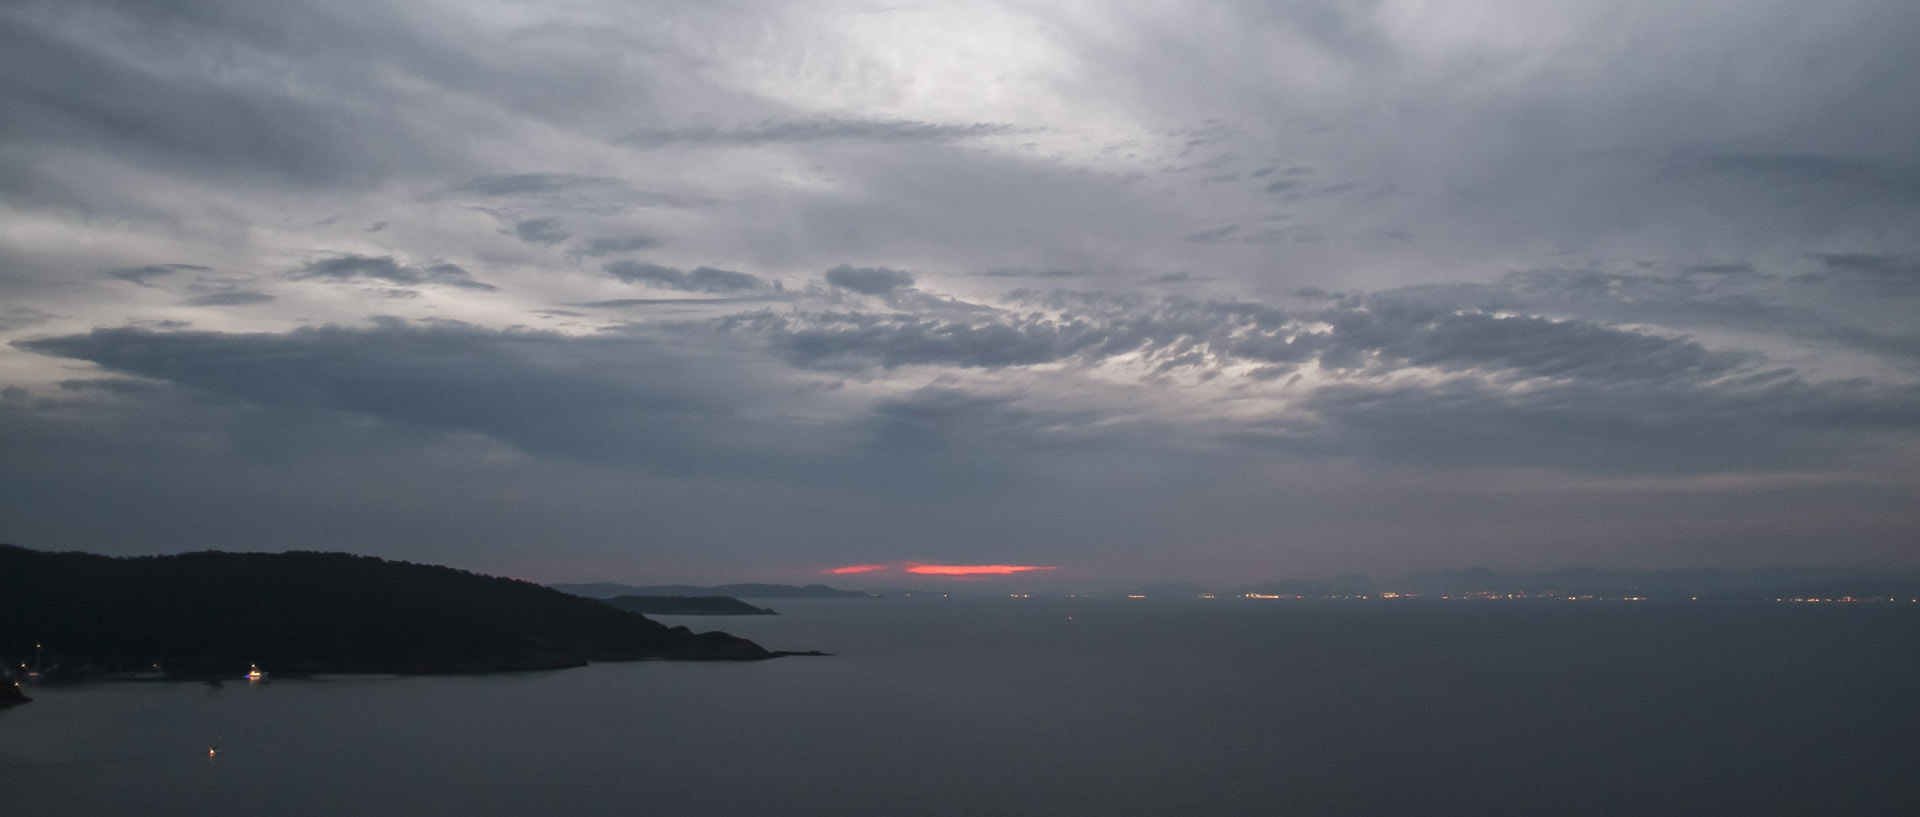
(217, 614)
(687, 606)
(607, 590)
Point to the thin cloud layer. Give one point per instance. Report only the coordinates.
(813, 130)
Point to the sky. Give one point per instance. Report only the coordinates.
(589, 290)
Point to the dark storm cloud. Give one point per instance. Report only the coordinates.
(141, 275)
(236, 298)
(869, 280)
(545, 232)
(384, 268)
(603, 246)
(596, 399)
(698, 279)
(814, 130)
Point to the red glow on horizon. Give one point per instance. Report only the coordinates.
(973, 570)
(856, 569)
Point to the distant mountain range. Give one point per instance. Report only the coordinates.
(607, 590)
(218, 613)
(1763, 583)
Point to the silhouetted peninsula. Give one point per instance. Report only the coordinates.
(216, 613)
(688, 606)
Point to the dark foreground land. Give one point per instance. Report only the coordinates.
(10, 693)
(688, 606)
(212, 614)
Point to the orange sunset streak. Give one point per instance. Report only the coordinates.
(973, 570)
(856, 569)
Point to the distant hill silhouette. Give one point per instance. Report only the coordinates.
(214, 613)
(606, 590)
(687, 606)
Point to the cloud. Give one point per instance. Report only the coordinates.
(567, 191)
(542, 231)
(856, 339)
(1808, 171)
(1178, 278)
(869, 280)
(603, 246)
(530, 184)
(1022, 272)
(88, 86)
(1759, 424)
(1696, 296)
(851, 569)
(20, 317)
(957, 571)
(973, 570)
(613, 400)
(1375, 336)
(141, 275)
(233, 298)
(350, 267)
(1878, 274)
(698, 279)
(814, 130)
(935, 417)
(1673, 276)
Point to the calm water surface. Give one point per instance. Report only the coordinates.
(1002, 706)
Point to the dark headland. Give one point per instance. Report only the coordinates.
(216, 614)
(688, 606)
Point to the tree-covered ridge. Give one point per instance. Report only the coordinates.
(313, 612)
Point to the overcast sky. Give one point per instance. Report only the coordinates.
(606, 290)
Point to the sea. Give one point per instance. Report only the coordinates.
(1007, 706)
